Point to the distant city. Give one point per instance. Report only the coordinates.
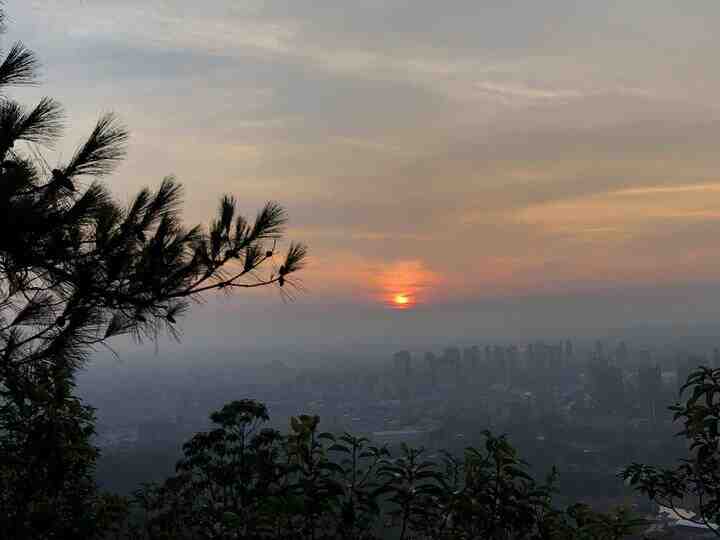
(588, 409)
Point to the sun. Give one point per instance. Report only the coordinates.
(404, 285)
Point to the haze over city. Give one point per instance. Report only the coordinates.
(359, 270)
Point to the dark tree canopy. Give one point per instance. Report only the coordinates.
(694, 483)
(240, 480)
(76, 269)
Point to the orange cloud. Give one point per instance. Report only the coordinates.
(351, 276)
(654, 190)
(626, 209)
(405, 283)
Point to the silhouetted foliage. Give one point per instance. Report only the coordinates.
(76, 269)
(694, 484)
(240, 481)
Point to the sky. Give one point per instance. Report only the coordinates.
(505, 166)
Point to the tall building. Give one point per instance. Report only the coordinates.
(650, 390)
(402, 364)
(606, 385)
(499, 365)
(432, 363)
(471, 358)
(547, 360)
(621, 354)
(540, 357)
(512, 362)
(644, 357)
(599, 353)
(452, 366)
(530, 357)
(557, 358)
(451, 356)
(402, 381)
(471, 364)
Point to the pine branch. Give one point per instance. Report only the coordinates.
(19, 67)
(41, 125)
(102, 151)
(269, 223)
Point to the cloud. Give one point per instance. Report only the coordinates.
(485, 146)
(627, 210)
(164, 25)
(654, 190)
(512, 91)
(411, 279)
(277, 32)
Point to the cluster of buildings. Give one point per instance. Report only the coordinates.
(591, 408)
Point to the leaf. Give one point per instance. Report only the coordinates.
(102, 151)
(19, 67)
(227, 211)
(339, 448)
(269, 222)
(330, 466)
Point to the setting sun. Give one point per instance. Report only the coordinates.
(404, 284)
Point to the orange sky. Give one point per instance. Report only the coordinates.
(447, 152)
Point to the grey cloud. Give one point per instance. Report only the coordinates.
(392, 128)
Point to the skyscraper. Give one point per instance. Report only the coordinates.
(432, 363)
(650, 389)
(402, 364)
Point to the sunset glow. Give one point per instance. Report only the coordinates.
(405, 284)
(561, 165)
(488, 229)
